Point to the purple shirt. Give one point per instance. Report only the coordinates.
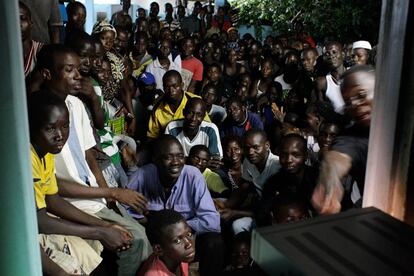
(189, 196)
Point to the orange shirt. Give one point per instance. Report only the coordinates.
(153, 266)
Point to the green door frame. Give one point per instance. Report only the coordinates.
(19, 248)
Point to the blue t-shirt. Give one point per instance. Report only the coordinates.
(229, 127)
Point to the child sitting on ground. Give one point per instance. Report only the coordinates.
(241, 264)
(211, 96)
(288, 209)
(199, 157)
(172, 242)
(294, 178)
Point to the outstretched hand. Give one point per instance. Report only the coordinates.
(327, 199)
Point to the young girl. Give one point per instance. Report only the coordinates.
(106, 33)
(260, 86)
(231, 70)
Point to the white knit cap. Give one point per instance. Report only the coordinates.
(361, 44)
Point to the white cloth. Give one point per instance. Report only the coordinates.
(207, 135)
(251, 173)
(333, 93)
(217, 112)
(285, 85)
(242, 224)
(158, 71)
(64, 161)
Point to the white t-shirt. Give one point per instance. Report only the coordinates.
(285, 85)
(207, 135)
(65, 165)
(333, 93)
(158, 71)
(251, 173)
(217, 112)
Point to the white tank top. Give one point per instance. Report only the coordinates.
(333, 93)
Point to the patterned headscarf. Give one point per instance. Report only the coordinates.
(101, 26)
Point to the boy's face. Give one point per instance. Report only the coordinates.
(232, 56)
(209, 96)
(173, 89)
(193, 116)
(141, 45)
(54, 131)
(273, 94)
(313, 121)
(256, 148)
(213, 74)
(104, 74)
(154, 10)
(165, 48)
(181, 11)
(360, 56)
(98, 57)
(254, 63)
(166, 34)
(267, 69)
(236, 112)
(200, 160)
(188, 47)
(334, 55)
(141, 13)
(86, 55)
(217, 54)
(242, 92)
(78, 18)
(178, 244)
(121, 42)
(308, 61)
(25, 24)
(178, 35)
(292, 213)
(240, 256)
(65, 77)
(292, 156)
(358, 95)
(245, 80)
(277, 49)
(326, 136)
(233, 35)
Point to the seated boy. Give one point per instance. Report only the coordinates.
(49, 130)
(170, 106)
(199, 157)
(211, 95)
(288, 209)
(193, 130)
(241, 262)
(294, 178)
(79, 178)
(172, 242)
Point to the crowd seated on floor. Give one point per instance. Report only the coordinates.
(158, 145)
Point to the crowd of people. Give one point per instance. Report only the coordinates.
(158, 145)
